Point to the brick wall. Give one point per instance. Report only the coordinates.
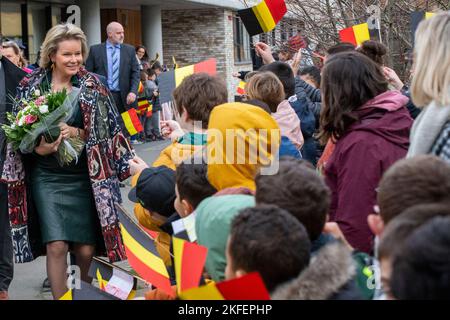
(192, 36)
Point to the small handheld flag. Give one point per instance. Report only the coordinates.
(297, 42)
(145, 107)
(241, 87)
(142, 253)
(356, 34)
(169, 80)
(175, 64)
(189, 260)
(248, 287)
(416, 18)
(132, 122)
(263, 17)
(140, 88)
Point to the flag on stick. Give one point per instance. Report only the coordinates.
(248, 287)
(140, 88)
(241, 87)
(297, 42)
(142, 253)
(263, 17)
(132, 122)
(416, 18)
(189, 260)
(360, 33)
(169, 80)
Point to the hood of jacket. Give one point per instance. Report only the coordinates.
(329, 272)
(385, 116)
(235, 129)
(289, 123)
(213, 219)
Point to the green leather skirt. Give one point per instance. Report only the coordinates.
(65, 206)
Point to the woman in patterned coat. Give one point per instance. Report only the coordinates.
(68, 207)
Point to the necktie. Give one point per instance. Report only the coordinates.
(115, 68)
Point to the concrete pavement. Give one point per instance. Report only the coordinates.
(28, 277)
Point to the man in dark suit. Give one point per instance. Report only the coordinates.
(118, 63)
(10, 75)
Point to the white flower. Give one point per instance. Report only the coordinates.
(13, 126)
(37, 93)
(43, 108)
(21, 121)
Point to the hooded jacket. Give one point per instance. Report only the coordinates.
(330, 276)
(289, 123)
(233, 130)
(369, 147)
(181, 149)
(213, 220)
(234, 181)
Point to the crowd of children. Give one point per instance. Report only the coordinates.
(149, 107)
(368, 220)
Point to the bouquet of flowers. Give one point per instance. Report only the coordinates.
(41, 116)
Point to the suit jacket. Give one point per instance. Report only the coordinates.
(12, 75)
(129, 73)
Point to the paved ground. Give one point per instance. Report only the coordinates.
(28, 277)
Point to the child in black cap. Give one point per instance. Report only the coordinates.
(154, 189)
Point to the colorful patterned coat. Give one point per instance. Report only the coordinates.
(108, 152)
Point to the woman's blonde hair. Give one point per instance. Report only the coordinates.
(55, 35)
(431, 79)
(11, 44)
(266, 87)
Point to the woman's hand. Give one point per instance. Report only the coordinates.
(393, 78)
(44, 148)
(332, 228)
(137, 165)
(67, 131)
(296, 62)
(265, 52)
(171, 129)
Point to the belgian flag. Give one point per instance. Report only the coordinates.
(241, 87)
(416, 18)
(248, 287)
(142, 254)
(359, 33)
(169, 80)
(189, 261)
(145, 107)
(140, 88)
(263, 17)
(132, 122)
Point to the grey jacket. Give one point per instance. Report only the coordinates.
(330, 276)
(426, 128)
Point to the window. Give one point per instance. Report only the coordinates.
(263, 38)
(10, 21)
(241, 42)
(273, 38)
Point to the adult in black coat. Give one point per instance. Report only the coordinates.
(10, 75)
(100, 60)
